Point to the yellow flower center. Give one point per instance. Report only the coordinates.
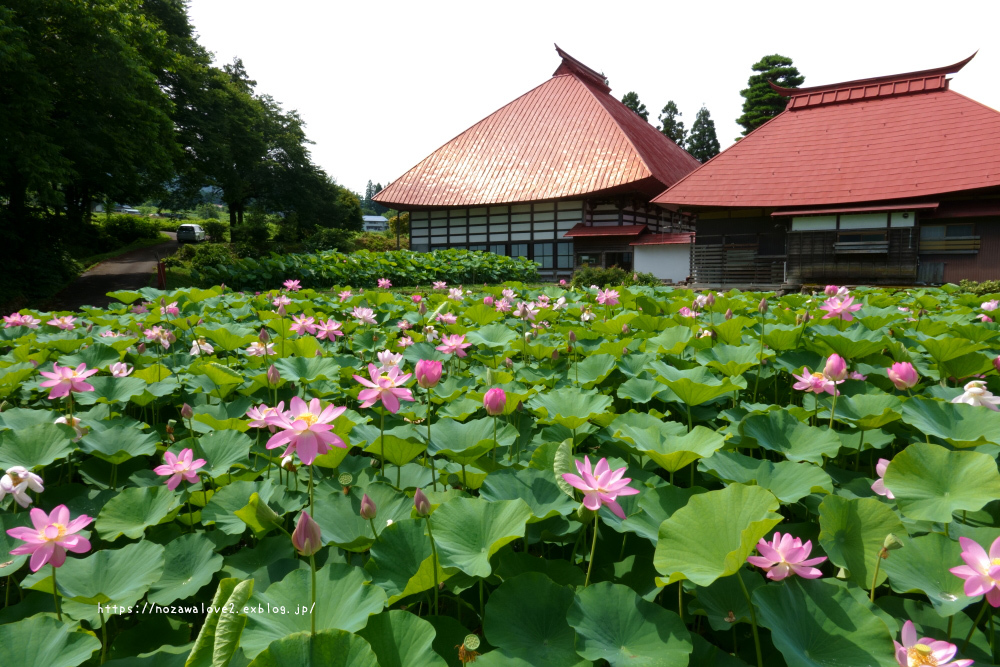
(995, 561)
(60, 532)
(817, 375)
(309, 418)
(920, 654)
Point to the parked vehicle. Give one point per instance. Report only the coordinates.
(190, 234)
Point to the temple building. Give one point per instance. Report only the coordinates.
(889, 180)
(562, 175)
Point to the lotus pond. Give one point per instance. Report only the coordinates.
(630, 476)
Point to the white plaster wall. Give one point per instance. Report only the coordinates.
(668, 262)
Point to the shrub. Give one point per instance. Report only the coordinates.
(380, 242)
(211, 254)
(595, 275)
(124, 229)
(215, 230)
(326, 238)
(985, 287)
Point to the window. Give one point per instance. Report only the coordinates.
(543, 255)
(861, 237)
(565, 256)
(499, 249)
(585, 259)
(481, 248)
(622, 260)
(518, 249)
(946, 231)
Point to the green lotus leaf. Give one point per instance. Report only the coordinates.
(222, 508)
(402, 639)
(945, 349)
(42, 640)
(339, 518)
(97, 355)
(327, 648)
(400, 445)
(466, 442)
(614, 624)
(783, 337)
(710, 655)
(731, 359)
(134, 510)
(493, 336)
(661, 443)
(867, 411)
(229, 337)
(592, 370)
(712, 535)
(852, 532)
(536, 633)
(817, 623)
(193, 563)
(724, 601)
(400, 560)
(513, 563)
(481, 314)
(219, 636)
(468, 531)
(222, 449)
(535, 487)
(641, 390)
(119, 443)
(258, 516)
(672, 340)
(657, 505)
(780, 431)
(958, 424)
(730, 332)
(787, 480)
(34, 446)
(923, 565)
(854, 343)
(307, 369)
(344, 600)
(111, 390)
(569, 406)
(930, 483)
(11, 564)
(696, 385)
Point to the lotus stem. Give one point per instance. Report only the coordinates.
(680, 598)
(381, 441)
(593, 547)
(496, 444)
(312, 612)
(979, 617)
(753, 620)
(878, 562)
(433, 467)
(833, 410)
(55, 594)
(104, 635)
(310, 489)
(374, 532)
(760, 359)
(434, 565)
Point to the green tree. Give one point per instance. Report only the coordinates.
(760, 102)
(671, 126)
(703, 144)
(631, 100)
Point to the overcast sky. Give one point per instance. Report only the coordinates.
(382, 84)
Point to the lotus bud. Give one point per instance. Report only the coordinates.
(141, 348)
(494, 401)
(201, 321)
(422, 309)
(836, 368)
(273, 376)
(428, 373)
(263, 336)
(508, 362)
(281, 310)
(762, 306)
(831, 290)
(90, 327)
(891, 543)
(187, 411)
(555, 355)
(625, 329)
(34, 362)
(420, 502)
(368, 508)
(710, 300)
(729, 314)
(307, 538)
(996, 363)
(171, 337)
(488, 301)
(806, 317)
(572, 337)
(903, 375)
(288, 463)
(562, 282)
(416, 298)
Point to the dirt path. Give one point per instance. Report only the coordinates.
(130, 271)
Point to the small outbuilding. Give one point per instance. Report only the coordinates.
(374, 223)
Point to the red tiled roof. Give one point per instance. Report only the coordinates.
(664, 239)
(902, 206)
(884, 148)
(605, 230)
(567, 137)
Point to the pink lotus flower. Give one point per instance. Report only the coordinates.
(200, 346)
(385, 387)
(421, 503)
(602, 486)
(447, 318)
(329, 330)
(140, 309)
(453, 345)
(815, 383)
(608, 297)
(990, 306)
(404, 325)
(879, 485)
(363, 315)
(384, 283)
(509, 294)
(503, 305)
(981, 571)
(280, 301)
(456, 293)
(306, 429)
(302, 323)
(854, 375)
(19, 320)
(307, 537)
(292, 285)
(833, 290)
(179, 467)
(416, 298)
(50, 537)
(488, 301)
(73, 423)
(430, 333)
(976, 394)
(836, 368)
(842, 308)
(259, 415)
(170, 309)
(428, 373)
(65, 322)
(405, 341)
(260, 349)
(985, 318)
(784, 556)
(926, 651)
(903, 375)
(368, 510)
(526, 311)
(64, 380)
(121, 370)
(495, 400)
(387, 359)
(17, 481)
(440, 284)
(687, 312)
(562, 282)
(586, 315)
(160, 336)
(345, 295)
(701, 301)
